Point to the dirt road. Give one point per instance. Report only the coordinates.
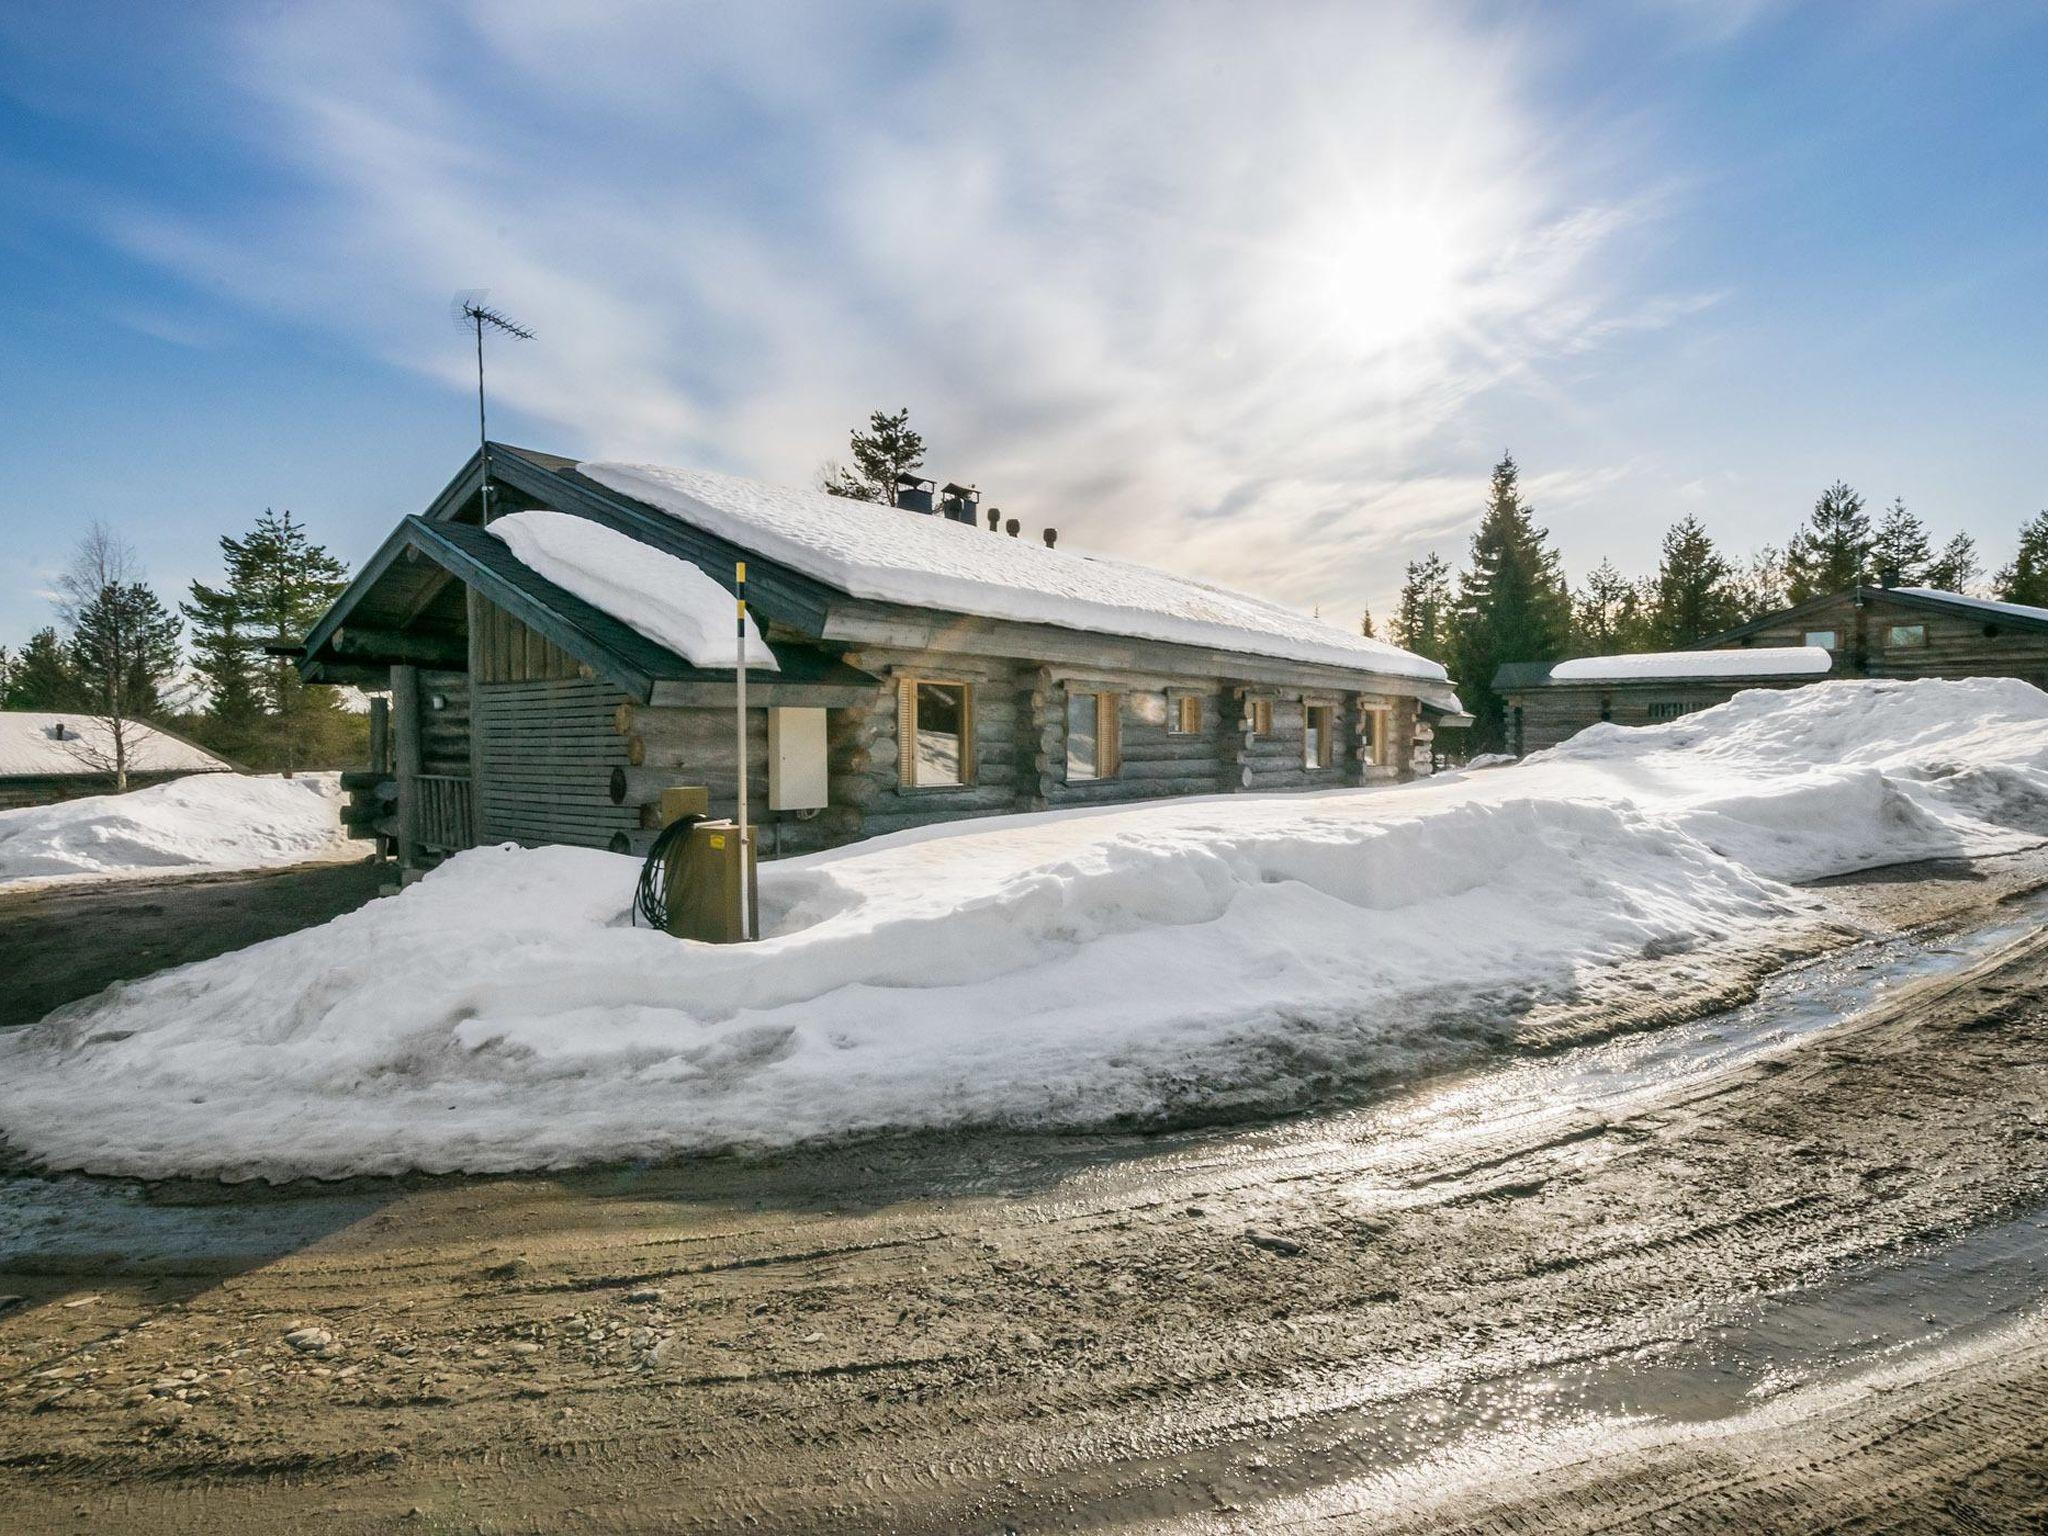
(1771, 1270)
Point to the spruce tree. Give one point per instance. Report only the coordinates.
(2026, 579)
(1422, 619)
(1899, 551)
(224, 656)
(1606, 613)
(889, 448)
(1694, 593)
(1760, 585)
(279, 583)
(1831, 553)
(1512, 603)
(1365, 624)
(42, 677)
(1956, 568)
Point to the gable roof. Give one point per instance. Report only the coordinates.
(609, 647)
(30, 747)
(889, 554)
(1922, 599)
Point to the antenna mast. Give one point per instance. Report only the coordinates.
(472, 311)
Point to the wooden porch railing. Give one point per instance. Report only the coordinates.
(444, 813)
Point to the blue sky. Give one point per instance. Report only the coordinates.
(1256, 292)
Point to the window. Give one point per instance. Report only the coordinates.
(1094, 745)
(1258, 715)
(1826, 639)
(1184, 714)
(1376, 735)
(1905, 637)
(1318, 736)
(1666, 709)
(934, 733)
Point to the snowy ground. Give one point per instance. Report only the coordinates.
(1056, 970)
(212, 821)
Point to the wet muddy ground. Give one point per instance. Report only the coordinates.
(1776, 1267)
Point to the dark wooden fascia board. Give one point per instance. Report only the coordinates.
(457, 493)
(395, 544)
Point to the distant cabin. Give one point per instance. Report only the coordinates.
(556, 661)
(1864, 632)
(46, 757)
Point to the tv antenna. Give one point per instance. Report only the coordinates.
(471, 311)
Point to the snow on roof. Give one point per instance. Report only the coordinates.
(36, 744)
(1761, 661)
(886, 554)
(668, 600)
(1983, 604)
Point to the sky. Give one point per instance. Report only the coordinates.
(1257, 293)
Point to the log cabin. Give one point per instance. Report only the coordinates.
(557, 642)
(1866, 631)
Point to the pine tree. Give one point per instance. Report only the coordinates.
(1512, 603)
(1607, 615)
(1694, 593)
(1956, 568)
(1422, 619)
(279, 583)
(1832, 552)
(1759, 586)
(888, 449)
(2026, 579)
(1899, 551)
(1365, 624)
(42, 677)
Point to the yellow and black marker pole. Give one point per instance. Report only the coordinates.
(740, 681)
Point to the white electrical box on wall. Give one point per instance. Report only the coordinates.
(796, 759)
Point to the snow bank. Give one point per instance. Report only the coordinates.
(208, 821)
(1063, 969)
(668, 600)
(1761, 661)
(896, 556)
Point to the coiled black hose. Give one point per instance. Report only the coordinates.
(650, 896)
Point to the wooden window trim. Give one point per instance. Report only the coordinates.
(1323, 718)
(1258, 717)
(1378, 745)
(1109, 738)
(906, 733)
(1177, 706)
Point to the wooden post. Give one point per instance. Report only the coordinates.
(380, 733)
(740, 680)
(405, 706)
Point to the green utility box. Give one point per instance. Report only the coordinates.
(709, 875)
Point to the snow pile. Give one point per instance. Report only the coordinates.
(891, 555)
(207, 821)
(1762, 661)
(36, 743)
(1063, 969)
(668, 600)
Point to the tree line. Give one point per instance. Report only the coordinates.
(119, 654)
(1513, 603)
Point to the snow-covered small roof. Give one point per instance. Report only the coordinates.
(1981, 604)
(670, 601)
(38, 744)
(1759, 661)
(887, 554)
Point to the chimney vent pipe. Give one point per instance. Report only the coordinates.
(1051, 535)
(1013, 527)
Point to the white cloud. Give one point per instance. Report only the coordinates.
(1200, 285)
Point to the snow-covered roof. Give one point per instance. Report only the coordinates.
(38, 744)
(891, 555)
(670, 601)
(1759, 661)
(1982, 604)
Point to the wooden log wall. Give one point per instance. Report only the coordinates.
(664, 746)
(1976, 646)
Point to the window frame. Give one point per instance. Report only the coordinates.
(1258, 717)
(1177, 704)
(1318, 728)
(1376, 723)
(1834, 640)
(907, 684)
(1109, 735)
(1892, 642)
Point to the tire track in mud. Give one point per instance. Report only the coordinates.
(1096, 1340)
